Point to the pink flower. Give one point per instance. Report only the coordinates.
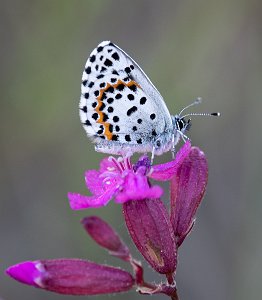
(120, 179)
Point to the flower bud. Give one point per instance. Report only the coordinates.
(151, 230)
(105, 236)
(187, 190)
(72, 276)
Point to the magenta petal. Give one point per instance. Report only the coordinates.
(94, 182)
(26, 272)
(151, 230)
(136, 187)
(163, 172)
(105, 236)
(107, 164)
(78, 201)
(187, 190)
(78, 277)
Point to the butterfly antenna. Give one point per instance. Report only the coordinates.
(197, 101)
(216, 114)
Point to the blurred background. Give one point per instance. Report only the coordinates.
(188, 48)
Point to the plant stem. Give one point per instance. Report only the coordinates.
(175, 296)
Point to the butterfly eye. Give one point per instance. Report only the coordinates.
(188, 124)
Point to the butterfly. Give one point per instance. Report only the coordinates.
(120, 108)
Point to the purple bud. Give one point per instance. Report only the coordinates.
(151, 230)
(105, 236)
(187, 190)
(72, 276)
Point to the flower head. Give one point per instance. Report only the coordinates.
(120, 179)
(116, 178)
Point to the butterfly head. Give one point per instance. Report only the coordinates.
(181, 124)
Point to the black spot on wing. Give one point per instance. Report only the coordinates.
(84, 109)
(87, 123)
(105, 117)
(128, 138)
(152, 116)
(92, 58)
(118, 96)
(154, 132)
(108, 63)
(120, 87)
(102, 106)
(131, 110)
(115, 56)
(88, 70)
(133, 87)
(115, 137)
(143, 100)
(95, 116)
(110, 89)
(91, 84)
(130, 97)
(100, 48)
(110, 128)
(116, 119)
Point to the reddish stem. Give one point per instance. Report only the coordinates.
(170, 278)
(168, 289)
(175, 295)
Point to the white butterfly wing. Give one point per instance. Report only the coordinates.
(120, 108)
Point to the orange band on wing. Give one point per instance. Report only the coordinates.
(108, 134)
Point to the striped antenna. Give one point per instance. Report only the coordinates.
(197, 101)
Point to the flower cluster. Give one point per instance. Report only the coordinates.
(157, 232)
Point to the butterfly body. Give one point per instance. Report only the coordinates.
(121, 110)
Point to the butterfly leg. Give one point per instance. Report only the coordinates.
(183, 136)
(152, 156)
(173, 149)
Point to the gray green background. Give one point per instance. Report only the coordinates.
(188, 49)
